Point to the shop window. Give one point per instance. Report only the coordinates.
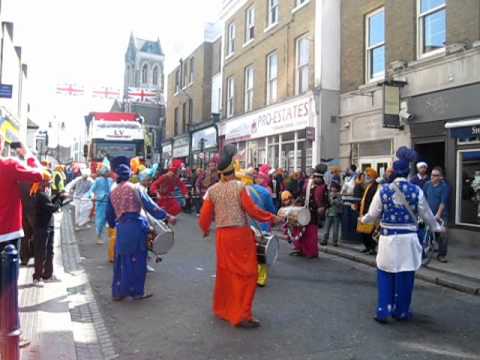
(432, 24)
(375, 45)
(287, 137)
(468, 196)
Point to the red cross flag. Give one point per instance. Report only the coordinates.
(142, 95)
(106, 93)
(70, 90)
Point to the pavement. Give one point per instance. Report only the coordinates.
(311, 309)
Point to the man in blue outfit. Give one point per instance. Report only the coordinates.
(437, 193)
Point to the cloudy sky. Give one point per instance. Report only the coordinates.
(85, 41)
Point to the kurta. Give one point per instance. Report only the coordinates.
(165, 188)
(236, 278)
(101, 190)
(123, 212)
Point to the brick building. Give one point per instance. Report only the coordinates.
(193, 95)
(281, 81)
(430, 51)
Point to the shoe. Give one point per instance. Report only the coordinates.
(295, 253)
(442, 259)
(52, 278)
(150, 269)
(38, 283)
(324, 243)
(335, 244)
(380, 321)
(365, 251)
(23, 343)
(372, 252)
(144, 296)
(249, 324)
(118, 298)
(99, 241)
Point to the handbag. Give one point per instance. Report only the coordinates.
(361, 227)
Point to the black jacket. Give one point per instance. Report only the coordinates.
(44, 209)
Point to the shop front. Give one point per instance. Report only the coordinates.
(282, 135)
(446, 133)
(204, 146)
(10, 132)
(181, 149)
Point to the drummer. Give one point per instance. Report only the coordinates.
(264, 200)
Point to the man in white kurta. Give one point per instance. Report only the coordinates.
(399, 249)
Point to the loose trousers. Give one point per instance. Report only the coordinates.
(394, 294)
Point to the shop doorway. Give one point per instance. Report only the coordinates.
(432, 153)
(380, 164)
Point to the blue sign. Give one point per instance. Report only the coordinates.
(6, 91)
(465, 132)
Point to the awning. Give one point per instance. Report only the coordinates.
(464, 129)
(8, 130)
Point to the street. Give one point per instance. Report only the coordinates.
(311, 309)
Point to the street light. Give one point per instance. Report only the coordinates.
(60, 125)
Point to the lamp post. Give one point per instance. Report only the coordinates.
(60, 126)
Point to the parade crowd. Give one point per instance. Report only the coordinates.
(121, 194)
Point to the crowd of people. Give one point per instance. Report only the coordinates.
(380, 210)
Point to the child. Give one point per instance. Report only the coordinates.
(334, 214)
(292, 233)
(43, 233)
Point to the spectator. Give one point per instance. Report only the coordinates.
(366, 231)
(421, 178)
(13, 173)
(334, 214)
(437, 193)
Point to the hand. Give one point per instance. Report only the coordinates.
(172, 220)
(206, 234)
(277, 219)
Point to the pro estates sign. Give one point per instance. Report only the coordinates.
(294, 114)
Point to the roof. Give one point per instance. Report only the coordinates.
(31, 124)
(148, 46)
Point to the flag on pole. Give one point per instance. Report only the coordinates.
(106, 92)
(142, 95)
(70, 90)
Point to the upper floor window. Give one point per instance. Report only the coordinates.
(302, 68)
(231, 39)
(145, 74)
(298, 3)
(155, 75)
(184, 73)
(175, 122)
(272, 75)
(177, 81)
(375, 45)
(230, 97)
(431, 26)
(250, 24)
(190, 111)
(184, 117)
(249, 80)
(273, 10)
(192, 64)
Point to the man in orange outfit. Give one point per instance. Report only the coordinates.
(236, 281)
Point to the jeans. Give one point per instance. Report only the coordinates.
(334, 222)
(198, 202)
(43, 252)
(442, 241)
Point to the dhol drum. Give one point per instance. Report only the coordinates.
(161, 237)
(295, 215)
(267, 247)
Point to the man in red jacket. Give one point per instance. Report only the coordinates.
(13, 173)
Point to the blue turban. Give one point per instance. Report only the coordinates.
(405, 156)
(123, 172)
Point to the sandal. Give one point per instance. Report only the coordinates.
(295, 253)
(143, 297)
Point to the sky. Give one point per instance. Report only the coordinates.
(84, 42)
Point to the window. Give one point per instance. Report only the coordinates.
(230, 97)
(250, 24)
(155, 75)
(184, 74)
(184, 117)
(375, 45)
(231, 39)
(190, 111)
(303, 57)
(145, 74)
(300, 2)
(468, 190)
(177, 81)
(175, 122)
(249, 78)
(431, 26)
(272, 12)
(272, 74)
(192, 64)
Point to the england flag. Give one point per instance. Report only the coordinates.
(105, 92)
(70, 90)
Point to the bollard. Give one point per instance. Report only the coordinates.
(9, 318)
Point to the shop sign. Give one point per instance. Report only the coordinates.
(310, 133)
(6, 91)
(180, 142)
(117, 130)
(465, 132)
(208, 136)
(167, 149)
(291, 115)
(391, 107)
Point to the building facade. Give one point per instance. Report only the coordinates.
(144, 71)
(281, 81)
(193, 96)
(430, 50)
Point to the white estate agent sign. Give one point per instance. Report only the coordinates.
(294, 114)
